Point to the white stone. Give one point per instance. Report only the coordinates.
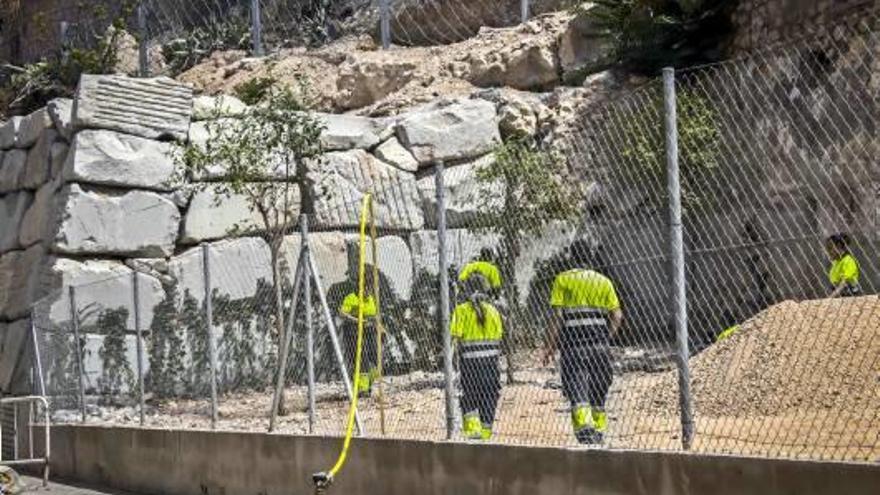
(12, 170)
(9, 133)
(99, 284)
(213, 107)
(38, 164)
(201, 133)
(20, 281)
(14, 338)
(12, 211)
(35, 223)
(133, 223)
(120, 160)
(347, 132)
(157, 108)
(32, 126)
(340, 181)
(393, 259)
(462, 245)
(57, 157)
(61, 112)
(236, 265)
(93, 365)
(392, 152)
(583, 48)
(214, 216)
(466, 198)
(452, 131)
(330, 252)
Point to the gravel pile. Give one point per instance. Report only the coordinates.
(812, 356)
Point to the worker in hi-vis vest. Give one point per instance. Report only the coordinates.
(477, 328)
(844, 271)
(484, 265)
(588, 309)
(369, 353)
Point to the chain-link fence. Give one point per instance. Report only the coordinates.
(778, 212)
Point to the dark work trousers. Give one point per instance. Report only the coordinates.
(585, 363)
(480, 380)
(369, 352)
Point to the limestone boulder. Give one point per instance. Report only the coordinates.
(348, 132)
(57, 157)
(38, 165)
(213, 216)
(20, 281)
(12, 170)
(466, 198)
(392, 152)
(583, 49)
(14, 339)
(35, 225)
(12, 212)
(525, 65)
(9, 133)
(32, 126)
(203, 132)
(394, 260)
(115, 159)
(214, 107)
(237, 267)
(61, 112)
(98, 285)
(450, 131)
(112, 222)
(329, 250)
(93, 364)
(157, 108)
(340, 180)
(362, 83)
(462, 246)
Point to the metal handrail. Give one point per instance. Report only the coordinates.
(32, 458)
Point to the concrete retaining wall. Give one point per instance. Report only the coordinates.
(200, 462)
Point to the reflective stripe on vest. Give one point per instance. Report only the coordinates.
(476, 349)
(584, 325)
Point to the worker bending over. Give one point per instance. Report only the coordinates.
(477, 328)
(844, 271)
(349, 313)
(586, 304)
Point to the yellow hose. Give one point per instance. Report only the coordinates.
(343, 455)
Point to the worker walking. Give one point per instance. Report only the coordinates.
(587, 306)
(477, 328)
(844, 271)
(349, 313)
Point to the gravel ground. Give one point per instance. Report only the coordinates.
(800, 380)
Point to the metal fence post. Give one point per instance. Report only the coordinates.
(385, 22)
(143, 38)
(676, 258)
(444, 299)
(139, 345)
(256, 28)
(38, 360)
(64, 29)
(310, 331)
(209, 324)
(524, 10)
(77, 351)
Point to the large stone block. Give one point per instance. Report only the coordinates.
(98, 285)
(329, 251)
(201, 133)
(114, 159)
(465, 197)
(32, 127)
(57, 157)
(347, 132)
(61, 113)
(14, 338)
(393, 259)
(12, 211)
(133, 223)
(20, 281)
(214, 216)
(236, 267)
(158, 108)
(35, 225)
(9, 133)
(450, 131)
(38, 165)
(393, 152)
(220, 106)
(462, 247)
(340, 181)
(12, 170)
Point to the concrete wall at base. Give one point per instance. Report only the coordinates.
(202, 462)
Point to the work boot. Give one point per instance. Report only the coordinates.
(582, 423)
(486, 433)
(472, 427)
(365, 385)
(589, 436)
(600, 420)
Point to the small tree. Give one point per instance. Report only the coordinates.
(117, 372)
(523, 190)
(261, 157)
